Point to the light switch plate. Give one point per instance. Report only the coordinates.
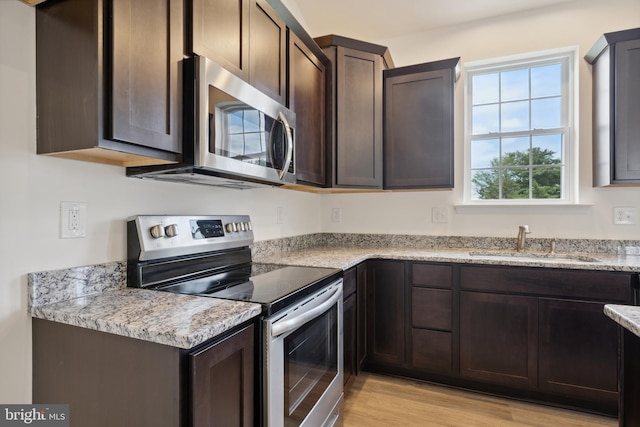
(440, 215)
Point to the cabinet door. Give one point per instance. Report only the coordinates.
(578, 351)
(386, 313)
(147, 50)
(418, 139)
(267, 51)
(498, 339)
(307, 86)
(627, 105)
(362, 298)
(349, 337)
(222, 391)
(220, 32)
(359, 119)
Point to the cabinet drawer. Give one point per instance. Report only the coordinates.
(431, 308)
(598, 285)
(430, 275)
(431, 350)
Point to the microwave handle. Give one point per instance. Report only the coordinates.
(283, 120)
(294, 323)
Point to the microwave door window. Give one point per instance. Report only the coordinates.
(240, 132)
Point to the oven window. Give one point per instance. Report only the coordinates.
(311, 363)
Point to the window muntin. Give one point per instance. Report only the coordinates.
(520, 128)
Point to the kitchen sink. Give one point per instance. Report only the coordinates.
(536, 256)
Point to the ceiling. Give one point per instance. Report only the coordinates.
(373, 20)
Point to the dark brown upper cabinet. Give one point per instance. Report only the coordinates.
(307, 89)
(108, 80)
(247, 37)
(356, 110)
(418, 121)
(220, 32)
(616, 101)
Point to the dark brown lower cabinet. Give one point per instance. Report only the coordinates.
(431, 350)
(534, 333)
(110, 380)
(578, 350)
(222, 382)
(349, 337)
(362, 298)
(386, 313)
(498, 338)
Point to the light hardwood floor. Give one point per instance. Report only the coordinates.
(375, 400)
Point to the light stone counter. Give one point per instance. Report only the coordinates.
(96, 297)
(346, 257)
(626, 316)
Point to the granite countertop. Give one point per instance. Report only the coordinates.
(96, 297)
(346, 257)
(627, 316)
(177, 320)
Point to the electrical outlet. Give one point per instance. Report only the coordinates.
(625, 216)
(73, 220)
(336, 215)
(440, 215)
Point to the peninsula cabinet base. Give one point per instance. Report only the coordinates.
(629, 381)
(110, 380)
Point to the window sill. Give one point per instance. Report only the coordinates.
(567, 208)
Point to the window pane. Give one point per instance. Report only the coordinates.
(486, 119)
(234, 119)
(515, 151)
(547, 149)
(515, 183)
(483, 152)
(252, 121)
(546, 113)
(515, 116)
(514, 85)
(547, 183)
(485, 185)
(485, 88)
(546, 81)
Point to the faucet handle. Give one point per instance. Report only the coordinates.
(524, 229)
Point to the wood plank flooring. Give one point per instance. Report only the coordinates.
(381, 401)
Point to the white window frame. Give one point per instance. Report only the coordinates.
(569, 56)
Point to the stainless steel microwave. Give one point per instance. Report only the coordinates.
(235, 136)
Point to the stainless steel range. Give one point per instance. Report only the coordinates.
(301, 323)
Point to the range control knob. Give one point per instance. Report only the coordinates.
(157, 231)
(230, 227)
(171, 230)
(247, 226)
(240, 226)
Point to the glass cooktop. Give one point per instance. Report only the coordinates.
(273, 286)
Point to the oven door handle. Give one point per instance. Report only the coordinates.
(295, 322)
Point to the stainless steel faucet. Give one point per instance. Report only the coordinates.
(523, 230)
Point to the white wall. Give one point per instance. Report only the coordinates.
(569, 24)
(32, 187)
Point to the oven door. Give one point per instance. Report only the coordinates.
(303, 362)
